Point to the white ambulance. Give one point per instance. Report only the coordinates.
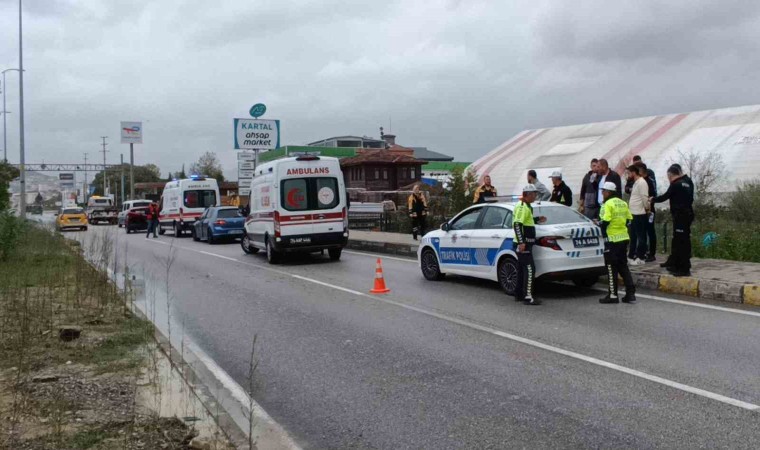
(298, 204)
(184, 201)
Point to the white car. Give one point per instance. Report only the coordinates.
(478, 242)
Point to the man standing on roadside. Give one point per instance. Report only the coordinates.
(485, 191)
(681, 196)
(561, 192)
(524, 225)
(418, 209)
(614, 217)
(639, 208)
(589, 205)
(648, 176)
(543, 193)
(605, 175)
(152, 220)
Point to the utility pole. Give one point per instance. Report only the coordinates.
(104, 162)
(131, 171)
(22, 159)
(122, 178)
(86, 188)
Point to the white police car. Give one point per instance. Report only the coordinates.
(478, 242)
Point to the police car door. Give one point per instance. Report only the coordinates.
(455, 251)
(491, 236)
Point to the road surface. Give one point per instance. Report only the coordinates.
(457, 364)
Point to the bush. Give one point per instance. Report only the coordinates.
(736, 241)
(10, 231)
(744, 204)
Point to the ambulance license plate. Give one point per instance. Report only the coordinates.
(586, 242)
(300, 240)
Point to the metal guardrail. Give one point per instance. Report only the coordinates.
(367, 216)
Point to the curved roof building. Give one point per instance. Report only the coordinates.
(733, 133)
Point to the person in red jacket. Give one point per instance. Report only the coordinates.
(152, 220)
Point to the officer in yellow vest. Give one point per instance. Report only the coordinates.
(524, 225)
(614, 219)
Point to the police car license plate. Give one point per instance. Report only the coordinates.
(300, 240)
(586, 242)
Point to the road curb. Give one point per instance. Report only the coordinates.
(700, 288)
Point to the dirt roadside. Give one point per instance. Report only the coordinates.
(77, 369)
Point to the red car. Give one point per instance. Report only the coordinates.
(137, 219)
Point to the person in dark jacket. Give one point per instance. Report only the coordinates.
(418, 210)
(589, 205)
(681, 196)
(485, 191)
(650, 175)
(605, 175)
(561, 192)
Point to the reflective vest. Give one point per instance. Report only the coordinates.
(616, 213)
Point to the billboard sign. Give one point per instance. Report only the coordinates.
(66, 176)
(131, 133)
(245, 173)
(245, 165)
(246, 156)
(244, 183)
(256, 134)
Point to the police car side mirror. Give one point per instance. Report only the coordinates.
(445, 226)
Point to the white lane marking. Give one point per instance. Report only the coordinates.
(651, 297)
(589, 359)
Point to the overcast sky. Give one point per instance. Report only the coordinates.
(457, 76)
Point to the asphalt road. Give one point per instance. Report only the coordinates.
(457, 364)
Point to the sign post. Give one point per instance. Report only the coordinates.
(131, 133)
(254, 135)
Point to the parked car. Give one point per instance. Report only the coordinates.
(71, 218)
(137, 219)
(219, 222)
(479, 242)
(129, 204)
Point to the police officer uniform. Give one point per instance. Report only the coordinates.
(614, 219)
(561, 193)
(523, 223)
(484, 192)
(417, 211)
(681, 196)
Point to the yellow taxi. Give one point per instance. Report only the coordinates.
(71, 218)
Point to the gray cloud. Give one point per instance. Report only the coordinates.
(457, 76)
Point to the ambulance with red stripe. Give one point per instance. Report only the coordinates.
(298, 204)
(184, 201)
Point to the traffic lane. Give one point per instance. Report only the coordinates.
(410, 381)
(710, 349)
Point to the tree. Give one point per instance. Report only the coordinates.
(181, 174)
(7, 174)
(147, 173)
(706, 170)
(208, 164)
(459, 188)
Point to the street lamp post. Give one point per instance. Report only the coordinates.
(5, 113)
(22, 158)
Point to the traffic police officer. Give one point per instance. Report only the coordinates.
(485, 191)
(681, 196)
(614, 218)
(525, 236)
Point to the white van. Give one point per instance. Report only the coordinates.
(297, 205)
(183, 202)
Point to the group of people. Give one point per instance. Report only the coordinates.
(627, 227)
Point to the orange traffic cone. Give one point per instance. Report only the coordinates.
(379, 280)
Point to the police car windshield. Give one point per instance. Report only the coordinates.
(228, 213)
(558, 215)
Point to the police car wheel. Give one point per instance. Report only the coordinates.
(429, 265)
(507, 273)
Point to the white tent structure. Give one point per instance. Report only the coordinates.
(733, 133)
